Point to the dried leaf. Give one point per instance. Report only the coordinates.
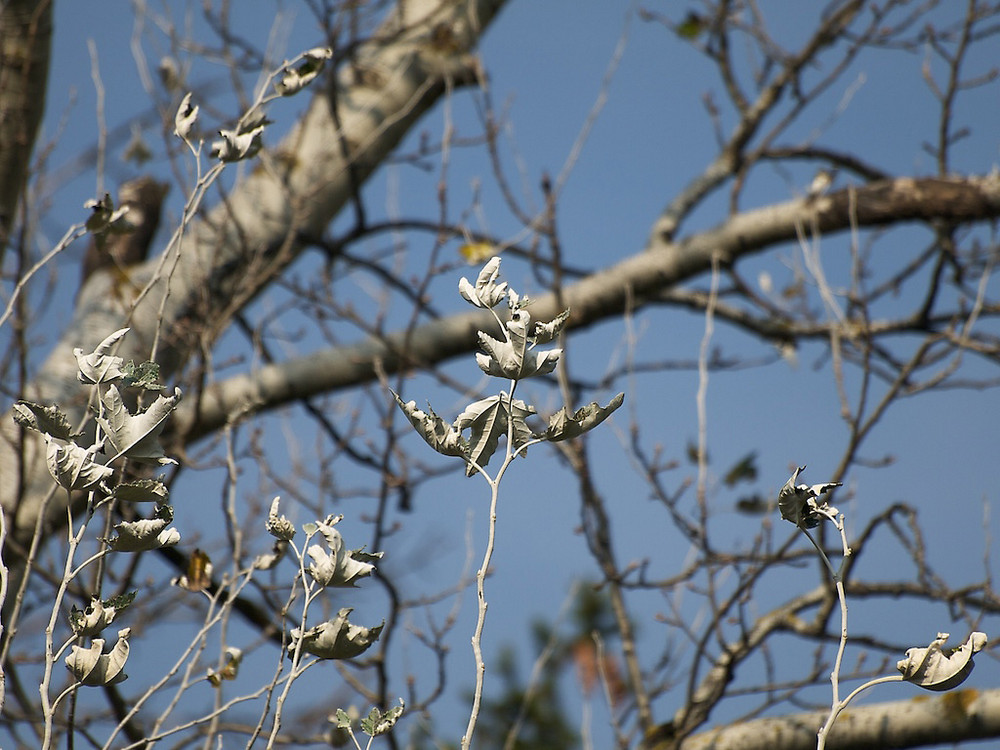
(98, 615)
(185, 118)
(73, 466)
(798, 503)
(490, 419)
(486, 293)
(440, 435)
(146, 534)
(339, 567)
(278, 526)
(199, 573)
(136, 436)
(45, 419)
(142, 491)
(92, 667)
(933, 669)
(100, 366)
(335, 639)
(564, 427)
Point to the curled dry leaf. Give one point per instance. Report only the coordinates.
(441, 436)
(486, 293)
(90, 666)
(562, 426)
(799, 503)
(185, 118)
(100, 366)
(277, 525)
(73, 466)
(146, 534)
(335, 639)
(136, 436)
(92, 619)
(934, 668)
(339, 567)
(236, 146)
(294, 79)
(45, 419)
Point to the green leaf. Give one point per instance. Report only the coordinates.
(343, 720)
(45, 419)
(744, 470)
(377, 723)
(490, 419)
(565, 427)
(692, 26)
(143, 375)
(136, 435)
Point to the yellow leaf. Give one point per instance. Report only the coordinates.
(476, 252)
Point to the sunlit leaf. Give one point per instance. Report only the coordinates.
(565, 427)
(335, 639)
(98, 615)
(277, 525)
(142, 491)
(934, 669)
(185, 118)
(490, 419)
(546, 332)
(73, 466)
(100, 366)
(512, 358)
(136, 436)
(486, 293)
(90, 666)
(338, 567)
(238, 145)
(440, 435)
(147, 533)
(377, 723)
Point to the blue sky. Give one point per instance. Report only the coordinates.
(546, 62)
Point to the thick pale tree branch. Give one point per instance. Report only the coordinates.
(922, 720)
(605, 294)
(243, 243)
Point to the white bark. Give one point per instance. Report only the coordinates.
(605, 294)
(925, 719)
(231, 254)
